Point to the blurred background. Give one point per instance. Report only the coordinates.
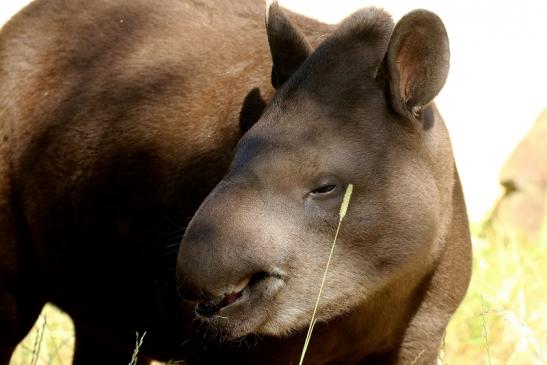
(495, 93)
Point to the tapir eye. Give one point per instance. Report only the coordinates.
(325, 187)
(322, 190)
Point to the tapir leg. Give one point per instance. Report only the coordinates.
(92, 350)
(19, 306)
(17, 315)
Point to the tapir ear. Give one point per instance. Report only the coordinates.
(288, 46)
(417, 61)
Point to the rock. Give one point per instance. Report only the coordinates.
(523, 207)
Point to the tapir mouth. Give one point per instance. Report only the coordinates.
(237, 294)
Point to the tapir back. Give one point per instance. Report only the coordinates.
(117, 118)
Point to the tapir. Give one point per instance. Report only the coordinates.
(176, 168)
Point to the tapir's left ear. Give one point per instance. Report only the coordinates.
(417, 61)
(288, 46)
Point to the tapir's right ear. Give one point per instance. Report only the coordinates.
(288, 46)
(417, 61)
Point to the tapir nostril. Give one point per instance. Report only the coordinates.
(258, 277)
(208, 309)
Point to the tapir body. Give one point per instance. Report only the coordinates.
(119, 118)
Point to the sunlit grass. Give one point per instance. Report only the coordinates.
(50, 342)
(138, 344)
(503, 319)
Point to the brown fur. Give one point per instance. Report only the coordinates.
(117, 118)
(358, 110)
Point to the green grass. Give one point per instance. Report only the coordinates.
(503, 319)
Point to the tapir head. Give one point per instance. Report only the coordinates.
(356, 110)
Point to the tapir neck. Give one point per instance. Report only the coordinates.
(375, 327)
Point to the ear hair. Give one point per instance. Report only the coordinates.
(417, 61)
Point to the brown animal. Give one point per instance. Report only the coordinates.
(357, 110)
(117, 118)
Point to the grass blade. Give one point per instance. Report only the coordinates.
(343, 210)
(138, 344)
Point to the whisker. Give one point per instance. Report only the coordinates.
(169, 253)
(173, 223)
(173, 244)
(177, 231)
